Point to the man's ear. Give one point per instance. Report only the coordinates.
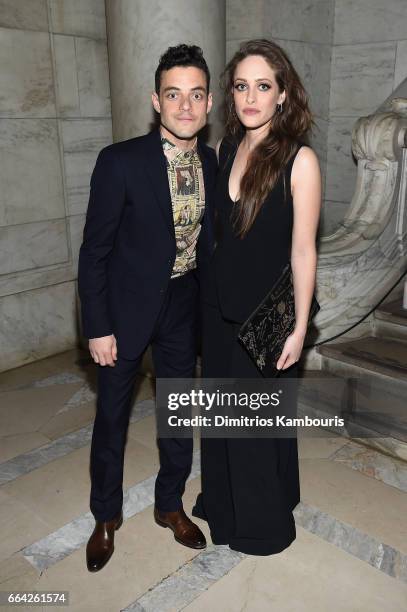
(210, 102)
(156, 102)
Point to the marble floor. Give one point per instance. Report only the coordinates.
(350, 553)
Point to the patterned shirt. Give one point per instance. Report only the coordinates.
(187, 190)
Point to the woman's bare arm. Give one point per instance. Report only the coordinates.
(306, 191)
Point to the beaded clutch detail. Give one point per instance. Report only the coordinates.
(264, 333)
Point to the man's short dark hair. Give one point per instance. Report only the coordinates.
(181, 55)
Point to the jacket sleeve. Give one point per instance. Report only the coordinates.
(106, 203)
(206, 239)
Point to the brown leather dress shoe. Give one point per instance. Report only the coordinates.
(100, 546)
(185, 531)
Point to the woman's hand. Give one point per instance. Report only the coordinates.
(291, 351)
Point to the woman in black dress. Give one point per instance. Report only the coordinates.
(266, 213)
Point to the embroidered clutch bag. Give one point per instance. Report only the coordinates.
(264, 333)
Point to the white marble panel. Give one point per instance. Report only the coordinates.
(341, 168)
(192, 579)
(332, 214)
(373, 464)
(370, 20)
(34, 279)
(36, 458)
(319, 142)
(93, 77)
(67, 88)
(214, 42)
(76, 225)
(313, 64)
(400, 71)
(23, 15)
(232, 46)
(30, 171)
(243, 22)
(80, 17)
(82, 141)
(302, 20)
(26, 81)
(319, 138)
(39, 244)
(362, 77)
(36, 324)
(172, 22)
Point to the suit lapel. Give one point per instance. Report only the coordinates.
(206, 237)
(205, 170)
(156, 169)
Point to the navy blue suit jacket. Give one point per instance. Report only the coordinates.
(128, 249)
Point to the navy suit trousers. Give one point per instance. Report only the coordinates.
(173, 343)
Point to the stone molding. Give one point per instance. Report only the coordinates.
(365, 256)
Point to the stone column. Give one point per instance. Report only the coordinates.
(139, 31)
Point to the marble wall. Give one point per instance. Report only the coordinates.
(54, 118)
(350, 56)
(55, 115)
(369, 60)
(129, 25)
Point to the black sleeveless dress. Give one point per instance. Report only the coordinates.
(249, 486)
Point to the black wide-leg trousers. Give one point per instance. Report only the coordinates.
(173, 343)
(250, 486)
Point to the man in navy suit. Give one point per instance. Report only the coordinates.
(147, 235)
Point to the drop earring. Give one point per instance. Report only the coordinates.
(280, 107)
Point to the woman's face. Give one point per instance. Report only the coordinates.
(255, 92)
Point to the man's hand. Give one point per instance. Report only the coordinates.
(104, 350)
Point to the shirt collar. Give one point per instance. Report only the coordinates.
(171, 150)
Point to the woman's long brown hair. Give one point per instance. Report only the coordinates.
(269, 158)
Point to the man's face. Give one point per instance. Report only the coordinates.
(183, 102)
